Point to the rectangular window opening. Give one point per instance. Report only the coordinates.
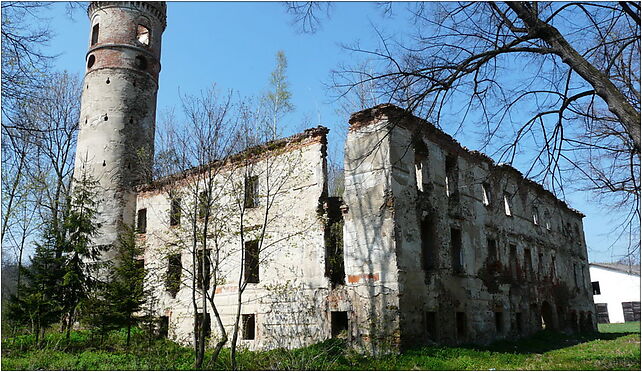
(251, 261)
(431, 325)
(251, 192)
(486, 199)
(207, 326)
(575, 276)
(596, 288)
(499, 321)
(333, 241)
(535, 216)
(175, 212)
(461, 326)
(339, 323)
(507, 210)
(173, 277)
(540, 264)
(203, 204)
(249, 326)
(492, 250)
(163, 327)
(553, 268)
(204, 277)
(528, 264)
(514, 262)
(452, 177)
(428, 236)
(141, 221)
(518, 322)
(456, 250)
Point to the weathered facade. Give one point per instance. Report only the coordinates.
(429, 242)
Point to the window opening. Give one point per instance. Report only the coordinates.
(249, 326)
(94, 33)
(507, 204)
(251, 262)
(203, 204)
(431, 325)
(428, 237)
(518, 322)
(486, 199)
(142, 34)
(163, 327)
(514, 262)
(203, 278)
(339, 323)
(456, 250)
(174, 271)
(207, 326)
(575, 275)
(528, 263)
(141, 221)
(535, 216)
(333, 241)
(140, 63)
(452, 177)
(251, 192)
(492, 250)
(90, 62)
(596, 288)
(175, 212)
(461, 325)
(499, 321)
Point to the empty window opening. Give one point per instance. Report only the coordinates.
(514, 262)
(207, 327)
(452, 177)
(575, 276)
(540, 264)
(203, 204)
(94, 33)
(333, 240)
(163, 327)
(518, 322)
(528, 263)
(492, 250)
(251, 261)
(141, 221)
(428, 243)
(583, 282)
(105, 118)
(456, 250)
(461, 325)
(553, 269)
(507, 204)
(173, 277)
(251, 192)
(204, 263)
(547, 218)
(107, 81)
(596, 288)
(90, 62)
(339, 323)
(486, 199)
(104, 163)
(249, 326)
(142, 34)
(535, 216)
(499, 321)
(140, 63)
(431, 325)
(175, 212)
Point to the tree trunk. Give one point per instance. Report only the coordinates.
(604, 88)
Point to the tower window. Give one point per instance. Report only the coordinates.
(141, 221)
(94, 34)
(90, 62)
(249, 326)
(251, 264)
(142, 35)
(140, 63)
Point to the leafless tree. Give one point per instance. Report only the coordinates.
(557, 83)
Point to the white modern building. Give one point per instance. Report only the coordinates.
(616, 292)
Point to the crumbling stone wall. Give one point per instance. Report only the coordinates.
(478, 296)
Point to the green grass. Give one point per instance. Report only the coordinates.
(616, 347)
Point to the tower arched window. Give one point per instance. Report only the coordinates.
(94, 33)
(143, 35)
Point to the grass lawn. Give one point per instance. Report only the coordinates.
(616, 347)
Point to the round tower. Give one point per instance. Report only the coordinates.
(118, 107)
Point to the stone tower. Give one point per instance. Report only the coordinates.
(118, 108)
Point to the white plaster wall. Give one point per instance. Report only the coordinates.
(615, 287)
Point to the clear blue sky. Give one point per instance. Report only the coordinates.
(234, 45)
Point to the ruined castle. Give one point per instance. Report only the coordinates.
(429, 243)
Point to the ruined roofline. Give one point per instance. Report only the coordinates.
(406, 119)
(157, 8)
(307, 137)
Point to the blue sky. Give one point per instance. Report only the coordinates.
(234, 45)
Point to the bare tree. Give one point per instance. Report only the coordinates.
(556, 83)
